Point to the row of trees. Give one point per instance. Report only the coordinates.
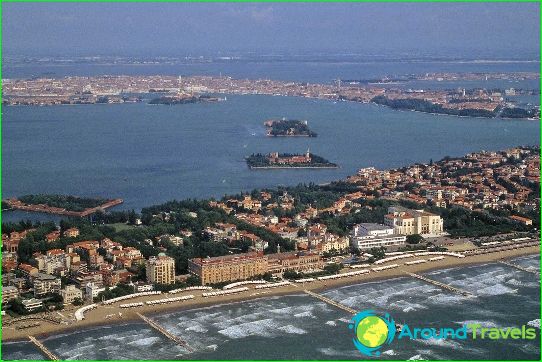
(71, 203)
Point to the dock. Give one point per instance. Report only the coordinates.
(42, 348)
(519, 267)
(441, 285)
(167, 334)
(330, 302)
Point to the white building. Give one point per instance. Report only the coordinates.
(368, 235)
(32, 304)
(408, 222)
(92, 290)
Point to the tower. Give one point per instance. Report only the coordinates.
(308, 154)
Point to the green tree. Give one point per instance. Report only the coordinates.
(414, 239)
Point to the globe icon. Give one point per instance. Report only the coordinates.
(372, 331)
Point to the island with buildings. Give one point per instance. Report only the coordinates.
(376, 224)
(288, 128)
(288, 160)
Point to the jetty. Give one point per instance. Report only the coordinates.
(42, 348)
(441, 285)
(166, 333)
(330, 302)
(519, 267)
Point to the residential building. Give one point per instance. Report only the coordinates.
(45, 283)
(522, 220)
(70, 293)
(71, 233)
(52, 236)
(9, 293)
(28, 270)
(160, 270)
(334, 243)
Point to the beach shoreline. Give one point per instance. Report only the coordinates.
(98, 317)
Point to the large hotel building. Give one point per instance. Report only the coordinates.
(368, 235)
(237, 267)
(408, 222)
(228, 268)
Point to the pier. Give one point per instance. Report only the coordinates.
(43, 349)
(331, 302)
(167, 334)
(441, 285)
(519, 267)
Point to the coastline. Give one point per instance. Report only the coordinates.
(97, 317)
(290, 167)
(45, 209)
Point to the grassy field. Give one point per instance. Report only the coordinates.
(121, 226)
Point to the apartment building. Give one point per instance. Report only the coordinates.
(160, 270)
(45, 283)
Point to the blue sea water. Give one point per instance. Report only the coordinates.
(301, 327)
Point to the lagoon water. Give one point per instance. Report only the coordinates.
(301, 327)
(150, 154)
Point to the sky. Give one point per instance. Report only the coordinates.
(171, 29)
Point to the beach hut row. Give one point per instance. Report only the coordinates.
(393, 258)
(385, 267)
(445, 253)
(437, 258)
(130, 296)
(225, 292)
(80, 313)
(357, 266)
(343, 275)
(305, 280)
(273, 285)
(131, 305)
(237, 284)
(414, 262)
(169, 300)
(197, 287)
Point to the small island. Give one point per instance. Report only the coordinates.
(60, 204)
(288, 160)
(288, 128)
(183, 99)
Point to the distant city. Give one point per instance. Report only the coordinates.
(112, 89)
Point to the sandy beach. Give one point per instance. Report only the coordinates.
(109, 314)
